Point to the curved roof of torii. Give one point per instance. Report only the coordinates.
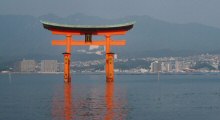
(87, 28)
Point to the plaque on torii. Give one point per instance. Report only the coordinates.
(75, 30)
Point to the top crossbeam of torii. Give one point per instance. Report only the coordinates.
(88, 31)
(117, 29)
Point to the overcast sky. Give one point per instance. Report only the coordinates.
(179, 11)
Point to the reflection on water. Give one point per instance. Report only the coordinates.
(130, 97)
(109, 94)
(67, 101)
(88, 103)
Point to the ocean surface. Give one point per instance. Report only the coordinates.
(130, 97)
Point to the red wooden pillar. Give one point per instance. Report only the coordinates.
(109, 67)
(67, 74)
(67, 59)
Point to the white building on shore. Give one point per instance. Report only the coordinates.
(27, 66)
(49, 66)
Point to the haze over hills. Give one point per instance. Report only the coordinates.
(24, 37)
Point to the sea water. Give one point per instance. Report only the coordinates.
(130, 97)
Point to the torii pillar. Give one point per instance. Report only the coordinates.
(75, 30)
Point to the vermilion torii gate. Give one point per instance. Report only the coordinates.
(75, 30)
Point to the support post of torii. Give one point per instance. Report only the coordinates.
(73, 30)
(67, 73)
(109, 67)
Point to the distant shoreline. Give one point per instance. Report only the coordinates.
(98, 73)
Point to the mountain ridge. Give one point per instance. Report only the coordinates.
(22, 35)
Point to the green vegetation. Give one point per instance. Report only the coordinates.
(133, 64)
(203, 65)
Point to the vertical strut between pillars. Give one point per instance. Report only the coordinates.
(108, 40)
(68, 43)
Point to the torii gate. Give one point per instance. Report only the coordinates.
(75, 30)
